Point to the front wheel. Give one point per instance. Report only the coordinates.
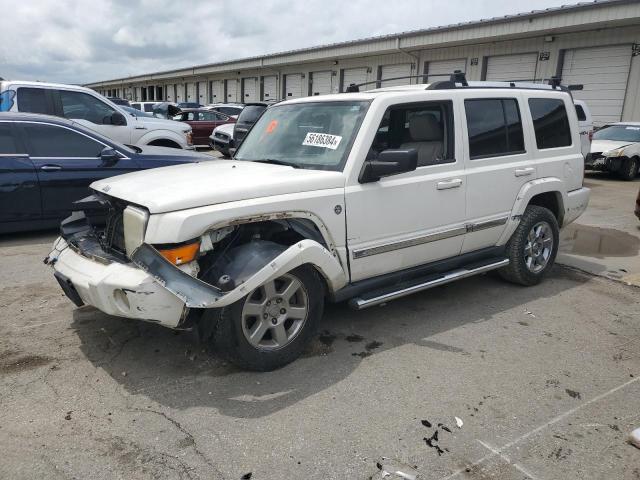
(272, 325)
(533, 247)
(629, 169)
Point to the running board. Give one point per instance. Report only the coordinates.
(386, 295)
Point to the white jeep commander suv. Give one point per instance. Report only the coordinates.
(364, 197)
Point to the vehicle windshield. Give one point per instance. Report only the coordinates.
(621, 133)
(314, 135)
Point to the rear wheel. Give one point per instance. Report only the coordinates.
(533, 247)
(629, 168)
(271, 326)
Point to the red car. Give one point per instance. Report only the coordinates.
(202, 123)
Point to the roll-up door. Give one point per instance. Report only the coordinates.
(269, 87)
(521, 66)
(441, 69)
(180, 92)
(356, 76)
(191, 92)
(232, 90)
(293, 85)
(321, 83)
(216, 91)
(250, 89)
(394, 71)
(202, 93)
(170, 93)
(603, 72)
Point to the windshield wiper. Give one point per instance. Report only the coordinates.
(277, 162)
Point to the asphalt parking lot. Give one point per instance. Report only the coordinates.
(546, 380)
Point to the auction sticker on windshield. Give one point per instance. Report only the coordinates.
(324, 140)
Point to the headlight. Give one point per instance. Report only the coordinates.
(134, 220)
(189, 135)
(618, 152)
(180, 253)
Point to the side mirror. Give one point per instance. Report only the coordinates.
(117, 119)
(389, 162)
(109, 157)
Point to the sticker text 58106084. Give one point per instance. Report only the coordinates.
(324, 140)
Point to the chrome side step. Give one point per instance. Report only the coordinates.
(360, 303)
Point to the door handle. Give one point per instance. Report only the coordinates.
(447, 184)
(50, 168)
(523, 172)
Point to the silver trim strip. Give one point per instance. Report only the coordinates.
(389, 247)
(360, 303)
(432, 237)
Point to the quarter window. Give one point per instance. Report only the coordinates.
(7, 142)
(494, 127)
(550, 123)
(34, 100)
(82, 106)
(53, 141)
(582, 117)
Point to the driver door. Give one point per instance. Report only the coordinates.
(416, 217)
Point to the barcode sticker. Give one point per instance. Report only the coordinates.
(324, 140)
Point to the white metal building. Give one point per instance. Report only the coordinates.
(595, 44)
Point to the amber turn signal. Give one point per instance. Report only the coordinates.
(181, 254)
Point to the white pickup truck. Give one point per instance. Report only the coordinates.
(93, 111)
(358, 197)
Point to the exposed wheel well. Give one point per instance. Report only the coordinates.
(551, 201)
(165, 142)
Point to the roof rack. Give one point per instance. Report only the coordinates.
(457, 79)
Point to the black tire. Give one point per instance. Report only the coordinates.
(629, 169)
(229, 341)
(518, 271)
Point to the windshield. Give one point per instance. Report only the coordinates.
(314, 135)
(621, 133)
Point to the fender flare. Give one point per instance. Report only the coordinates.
(162, 134)
(526, 193)
(196, 293)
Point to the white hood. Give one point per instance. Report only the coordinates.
(154, 123)
(598, 146)
(195, 185)
(226, 128)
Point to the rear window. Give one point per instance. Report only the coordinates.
(251, 113)
(33, 100)
(582, 117)
(550, 123)
(494, 127)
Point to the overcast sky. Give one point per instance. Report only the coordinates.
(79, 41)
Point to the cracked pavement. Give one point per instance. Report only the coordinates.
(544, 379)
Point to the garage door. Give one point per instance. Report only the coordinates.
(202, 93)
(270, 87)
(232, 90)
(180, 92)
(216, 91)
(441, 70)
(170, 93)
(293, 85)
(603, 72)
(393, 71)
(321, 83)
(191, 92)
(250, 89)
(512, 67)
(356, 76)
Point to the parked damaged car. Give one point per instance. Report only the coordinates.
(616, 148)
(360, 197)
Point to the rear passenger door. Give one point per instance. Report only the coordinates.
(66, 162)
(498, 161)
(19, 189)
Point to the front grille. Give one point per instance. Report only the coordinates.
(221, 136)
(113, 236)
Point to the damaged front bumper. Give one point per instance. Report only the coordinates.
(113, 287)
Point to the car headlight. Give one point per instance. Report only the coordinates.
(189, 136)
(134, 221)
(617, 152)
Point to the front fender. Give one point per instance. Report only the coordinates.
(527, 192)
(162, 134)
(198, 294)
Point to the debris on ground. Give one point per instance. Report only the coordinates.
(391, 469)
(68, 415)
(634, 438)
(459, 422)
(246, 476)
(432, 441)
(124, 374)
(573, 393)
(426, 423)
(527, 312)
(444, 427)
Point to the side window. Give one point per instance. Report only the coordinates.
(582, 117)
(550, 123)
(7, 142)
(54, 141)
(494, 126)
(34, 100)
(190, 116)
(220, 117)
(148, 107)
(426, 127)
(82, 106)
